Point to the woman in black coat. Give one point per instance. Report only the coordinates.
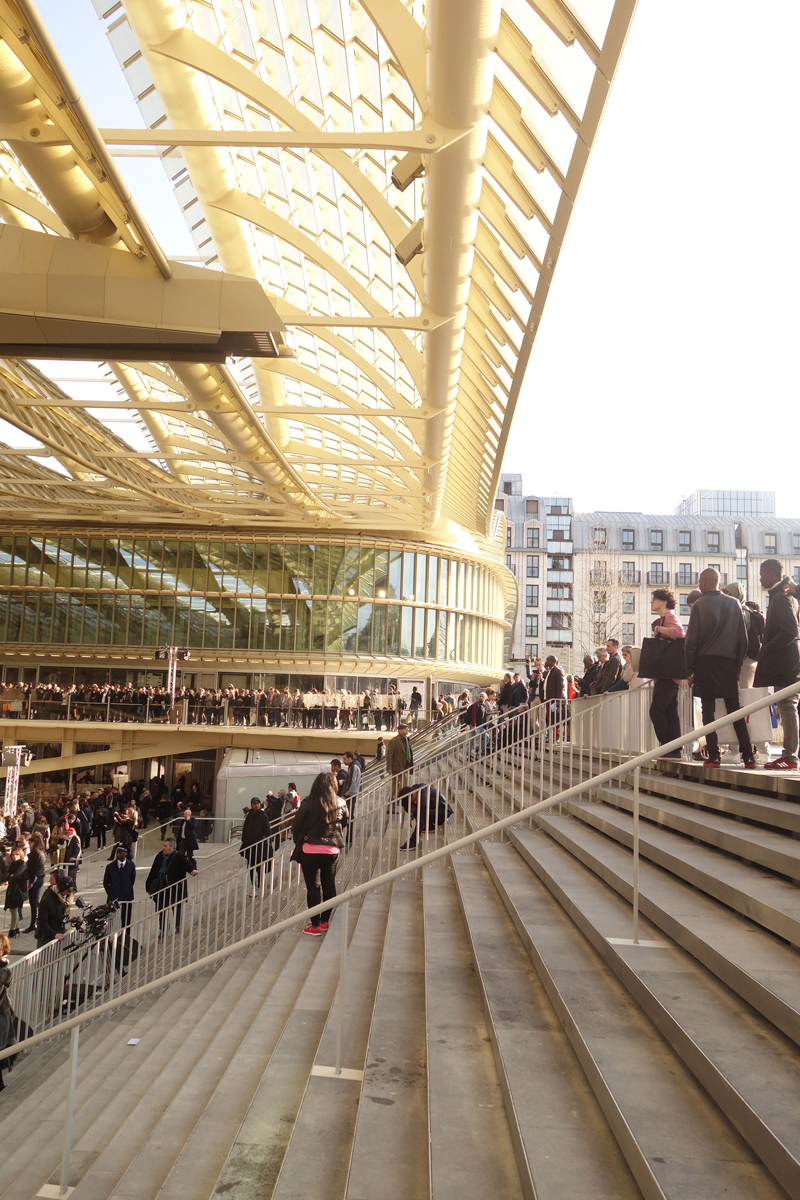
(37, 869)
(17, 890)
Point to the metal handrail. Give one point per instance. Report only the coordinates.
(357, 890)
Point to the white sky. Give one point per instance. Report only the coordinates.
(666, 358)
(667, 355)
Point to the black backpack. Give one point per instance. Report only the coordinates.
(755, 634)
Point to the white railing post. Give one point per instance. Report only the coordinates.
(342, 971)
(636, 857)
(73, 1074)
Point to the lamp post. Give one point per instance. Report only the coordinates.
(173, 654)
(14, 757)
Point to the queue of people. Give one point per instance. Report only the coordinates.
(277, 708)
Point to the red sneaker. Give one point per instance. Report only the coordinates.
(782, 764)
(712, 762)
(314, 930)
(323, 925)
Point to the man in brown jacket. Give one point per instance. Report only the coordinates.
(399, 756)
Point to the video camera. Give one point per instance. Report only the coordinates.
(93, 919)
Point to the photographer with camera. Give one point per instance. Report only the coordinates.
(53, 908)
(118, 881)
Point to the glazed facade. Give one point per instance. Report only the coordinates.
(266, 597)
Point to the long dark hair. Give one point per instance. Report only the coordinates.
(323, 800)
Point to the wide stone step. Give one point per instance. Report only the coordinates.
(471, 1149)
(390, 1147)
(773, 811)
(755, 893)
(562, 1142)
(318, 1156)
(749, 1069)
(760, 967)
(98, 1110)
(675, 1140)
(197, 1167)
(256, 1154)
(134, 1154)
(775, 851)
(765, 783)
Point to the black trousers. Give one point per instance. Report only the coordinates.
(664, 711)
(320, 867)
(712, 741)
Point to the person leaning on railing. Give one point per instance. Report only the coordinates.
(399, 756)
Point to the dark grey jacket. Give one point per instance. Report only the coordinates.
(779, 660)
(716, 627)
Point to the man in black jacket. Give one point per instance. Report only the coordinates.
(166, 883)
(716, 643)
(118, 881)
(257, 841)
(779, 659)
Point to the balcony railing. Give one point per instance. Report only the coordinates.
(632, 577)
(658, 578)
(686, 579)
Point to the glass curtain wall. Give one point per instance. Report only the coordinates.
(262, 596)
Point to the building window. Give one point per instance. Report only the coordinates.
(533, 539)
(713, 543)
(656, 572)
(599, 573)
(532, 650)
(685, 541)
(599, 602)
(600, 536)
(629, 602)
(532, 626)
(628, 539)
(532, 506)
(508, 561)
(628, 572)
(532, 595)
(508, 487)
(532, 566)
(509, 535)
(684, 602)
(559, 620)
(657, 539)
(796, 543)
(771, 543)
(685, 574)
(500, 504)
(628, 632)
(600, 632)
(796, 574)
(741, 568)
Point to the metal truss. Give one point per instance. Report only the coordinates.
(399, 176)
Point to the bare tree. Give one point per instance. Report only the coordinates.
(603, 595)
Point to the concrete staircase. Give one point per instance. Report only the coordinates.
(501, 1034)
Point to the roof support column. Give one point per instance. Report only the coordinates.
(461, 38)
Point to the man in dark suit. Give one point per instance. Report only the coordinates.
(166, 883)
(118, 881)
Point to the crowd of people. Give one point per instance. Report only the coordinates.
(49, 838)
(266, 707)
(729, 645)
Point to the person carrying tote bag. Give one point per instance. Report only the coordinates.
(660, 653)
